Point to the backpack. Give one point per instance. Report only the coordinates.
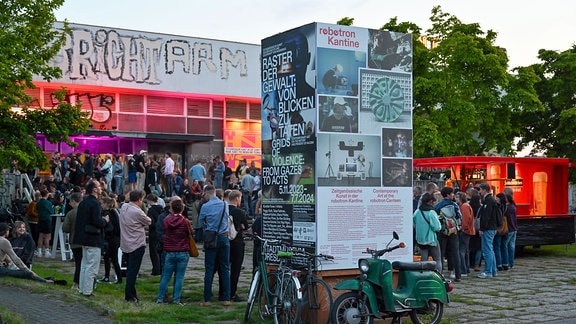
(448, 220)
(502, 221)
(232, 232)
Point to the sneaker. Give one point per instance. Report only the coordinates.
(206, 303)
(484, 275)
(505, 268)
(38, 253)
(104, 279)
(452, 275)
(179, 304)
(464, 275)
(47, 253)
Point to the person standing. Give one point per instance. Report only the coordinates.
(133, 223)
(449, 243)
(69, 226)
(467, 231)
(118, 176)
(489, 222)
(45, 210)
(87, 233)
(112, 237)
(132, 170)
(169, 174)
(140, 169)
(106, 171)
(198, 173)
(426, 223)
(88, 165)
(219, 169)
(240, 220)
(247, 185)
(152, 180)
(154, 210)
(213, 217)
(176, 249)
(510, 243)
(227, 176)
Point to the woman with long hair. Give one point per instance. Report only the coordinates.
(176, 248)
(112, 238)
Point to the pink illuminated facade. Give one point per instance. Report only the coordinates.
(196, 98)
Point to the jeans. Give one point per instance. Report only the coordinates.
(89, 268)
(434, 252)
(450, 244)
(218, 178)
(488, 251)
(464, 250)
(175, 263)
(133, 263)
(247, 201)
(220, 255)
(119, 185)
(510, 246)
(500, 252)
(169, 184)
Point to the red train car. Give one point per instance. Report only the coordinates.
(540, 187)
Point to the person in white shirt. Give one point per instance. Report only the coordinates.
(169, 174)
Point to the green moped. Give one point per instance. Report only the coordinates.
(420, 293)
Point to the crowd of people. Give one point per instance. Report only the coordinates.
(137, 204)
(479, 232)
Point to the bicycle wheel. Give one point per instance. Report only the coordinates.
(266, 309)
(288, 300)
(316, 302)
(255, 287)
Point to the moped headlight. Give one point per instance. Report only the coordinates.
(363, 265)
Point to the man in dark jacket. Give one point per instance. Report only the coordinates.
(88, 233)
(489, 222)
(154, 210)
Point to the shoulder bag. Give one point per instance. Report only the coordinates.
(192, 244)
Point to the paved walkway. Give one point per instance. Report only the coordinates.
(47, 308)
(538, 289)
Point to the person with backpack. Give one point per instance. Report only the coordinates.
(450, 219)
(489, 222)
(426, 224)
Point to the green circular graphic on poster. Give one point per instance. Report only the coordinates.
(386, 100)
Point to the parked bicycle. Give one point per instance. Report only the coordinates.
(274, 293)
(316, 294)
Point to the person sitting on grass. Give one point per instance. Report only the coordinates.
(12, 266)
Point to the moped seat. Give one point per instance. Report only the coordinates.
(423, 265)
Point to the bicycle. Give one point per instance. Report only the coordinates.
(277, 292)
(317, 295)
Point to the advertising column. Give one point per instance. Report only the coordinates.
(288, 138)
(364, 142)
(337, 140)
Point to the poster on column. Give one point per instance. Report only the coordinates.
(364, 137)
(289, 138)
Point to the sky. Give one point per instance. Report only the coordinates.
(523, 27)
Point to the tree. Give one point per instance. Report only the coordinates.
(465, 100)
(27, 44)
(552, 130)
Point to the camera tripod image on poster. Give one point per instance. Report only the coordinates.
(397, 142)
(348, 160)
(338, 114)
(385, 100)
(390, 51)
(338, 71)
(397, 172)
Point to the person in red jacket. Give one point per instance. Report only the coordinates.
(176, 249)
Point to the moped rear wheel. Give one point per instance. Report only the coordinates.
(350, 308)
(431, 314)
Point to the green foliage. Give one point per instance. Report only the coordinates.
(465, 100)
(551, 129)
(346, 21)
(27, 44)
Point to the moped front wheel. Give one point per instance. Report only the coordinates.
(350, 308)
(431, 314)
